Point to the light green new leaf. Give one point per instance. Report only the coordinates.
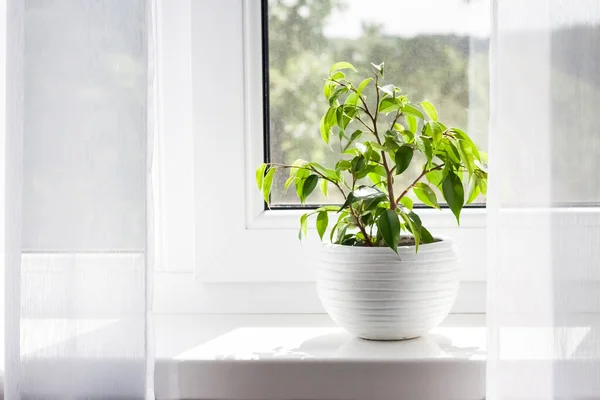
(389, 227)
(325, 128)
(288, 182)
(463, 136)
(408, 109)
(388, 105)
(337, 76)
(426, 195)
(425, 146)
(430, 110)
(324, 187)
(454, 194)
(411, 122)
(303, 226)
(483, 186)
(474, 191)
(322, 222)
(407, 202)
(267, 183)
(467, 156)
(363, 85)
(343, 165)
(403, 158)
(341, 66)
(435, 177)
(260, 174)
(352, 99)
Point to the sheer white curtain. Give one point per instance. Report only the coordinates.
(77, 227)
(544, 220)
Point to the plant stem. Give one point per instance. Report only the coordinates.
(361, 227)
(425, 172)
(388, 171)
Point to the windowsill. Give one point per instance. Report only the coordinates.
(308, 357)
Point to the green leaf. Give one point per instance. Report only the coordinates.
(416, 228)
(407, 202)
(336, 95)
(303, 226)
(288, 182)
(411, 122)
(426, 195)
(389, 227)
(434, 130)
(306, 187)
(337, 76)
(325, 125)
(454, 193)
(425, 146)
(363, 85)
(350, 199)
(407, 136)
(322, 222)
(435, 177)
(410, 226)
(388, 105)
(324, 187)
(370, 202)
(341, 66)
(355, 136)
(408, 109)
(452, 152)
(426, 236)
(343, 165)
(429, 110)
(260, 174)
(377, 146)
(328, 173)
(483, 186)
(390, 145)
(352, 99)
(403, 158)
(358, 163)
(342, 118)
(328, 89)
(267, 182)
(474, 191)
(467, 156)
(463, 136)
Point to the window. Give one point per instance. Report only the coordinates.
(239, 257)
(435, 50)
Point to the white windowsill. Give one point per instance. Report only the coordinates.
(307, 357)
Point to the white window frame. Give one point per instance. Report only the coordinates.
(234, 256)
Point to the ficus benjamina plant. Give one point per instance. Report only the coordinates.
(380, 133)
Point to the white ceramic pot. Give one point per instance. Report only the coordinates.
(378, 295)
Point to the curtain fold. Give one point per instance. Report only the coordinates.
(78, 212)
(544, 219)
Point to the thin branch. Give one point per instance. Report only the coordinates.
(425, 172)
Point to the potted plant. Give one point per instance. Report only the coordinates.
(382, 275)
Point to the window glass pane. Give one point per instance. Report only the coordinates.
(435, 50)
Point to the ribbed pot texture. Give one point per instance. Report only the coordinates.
(378, 295)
